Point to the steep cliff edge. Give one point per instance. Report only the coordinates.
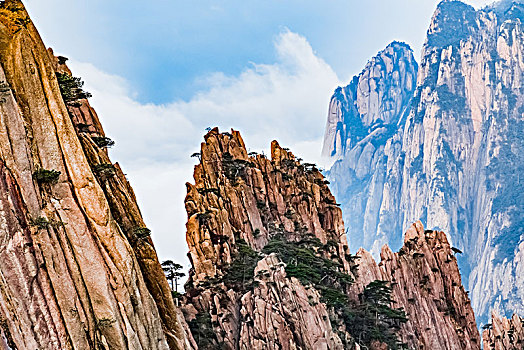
(272, 269)
(363, 130)
(455, 160)
(74, 272)
(427, 283)
(376, 99)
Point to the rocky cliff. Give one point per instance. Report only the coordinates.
(504, 334)
(455, 161)
(78, 269)
(272, 268)
(364, 122)
(374, 102)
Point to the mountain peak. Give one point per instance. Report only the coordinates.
(373, 99)
(452, 21)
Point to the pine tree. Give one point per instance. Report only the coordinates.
(173, 274)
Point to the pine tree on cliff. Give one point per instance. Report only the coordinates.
(374, 319)
(173, 274)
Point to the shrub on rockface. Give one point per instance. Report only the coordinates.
(202, 331)
(71, 89)
(103, 142)
(43, 223)
(370, 320)
(40, 222)
(240, 274)
(374, 319)
(104, 170)
(304, 262)
(234, 168)
(44, 176)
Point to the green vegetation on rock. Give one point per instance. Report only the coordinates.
(71, 89)
(44, 176)
(13, 16)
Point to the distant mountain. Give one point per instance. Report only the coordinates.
(454, 158)
(364, 118)
(374, 102)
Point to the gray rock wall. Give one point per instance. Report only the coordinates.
(455, 161)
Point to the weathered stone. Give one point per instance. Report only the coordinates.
(72, 276)
(504, 334)
(454, 160)
(281, 197)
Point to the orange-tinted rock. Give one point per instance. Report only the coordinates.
(504, 334)
(237, 196)
(427, 285)
(72, 275)
(241, 198)
(249, 198)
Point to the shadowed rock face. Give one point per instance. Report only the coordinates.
(239, 203)
(504, 334)
(455, 161)
(73, 274)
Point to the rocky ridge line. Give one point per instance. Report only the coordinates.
(504, 334)
(242, 206)
(454, 161)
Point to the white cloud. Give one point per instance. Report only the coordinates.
(287, 101)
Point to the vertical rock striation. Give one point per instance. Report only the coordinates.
(251, 220)
(504, 334)
(426, 282)
(364, 123)
(455, 161)
(238, 204)
(72, 275)
(374, 100)
(124, 208)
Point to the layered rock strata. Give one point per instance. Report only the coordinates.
(73, 276)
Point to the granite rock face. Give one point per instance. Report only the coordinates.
(455, 161)
(240, 294)
(238, 196)
(426, 282)
(376, 99)
(242, 200)
(504, 334)
(363, 131)
(73, 274)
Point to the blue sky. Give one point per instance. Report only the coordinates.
(162, 71)
(164, 47)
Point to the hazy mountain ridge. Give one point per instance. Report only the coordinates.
(456, 161)
(376, 98)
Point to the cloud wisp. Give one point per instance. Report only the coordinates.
(286, 101)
